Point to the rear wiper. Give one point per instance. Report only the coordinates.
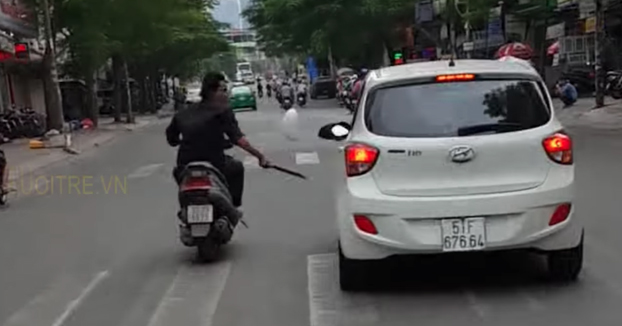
(489, 127)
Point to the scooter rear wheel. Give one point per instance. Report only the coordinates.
(208, 249)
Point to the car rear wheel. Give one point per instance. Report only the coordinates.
(353, 274)
(565, 265)
(254, 107)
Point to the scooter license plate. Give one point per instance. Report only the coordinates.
(200, 214)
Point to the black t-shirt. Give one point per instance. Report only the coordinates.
(199, 131)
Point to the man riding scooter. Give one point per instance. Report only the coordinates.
(199, 132)
(286, 95)
(301, 93)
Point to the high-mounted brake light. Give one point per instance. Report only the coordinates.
(559, 148)
(360, 159)
(197, 183)
(451, 78)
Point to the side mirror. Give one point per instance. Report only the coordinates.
(335, 131)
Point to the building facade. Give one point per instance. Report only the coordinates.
(20, 73)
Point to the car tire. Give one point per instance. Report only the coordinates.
(313, 96)
(353, 274)
(254, 108)
(565, 265)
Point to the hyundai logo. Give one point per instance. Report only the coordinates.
(461, 154)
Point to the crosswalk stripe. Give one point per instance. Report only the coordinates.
(144, 171)
(328, 306)
(193, 296)
(307, 158)
(57, 304)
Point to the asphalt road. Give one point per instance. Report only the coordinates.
(101, 252)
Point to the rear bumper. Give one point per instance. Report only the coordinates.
(516, 220)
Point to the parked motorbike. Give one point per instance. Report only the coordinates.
(613, 84)
(207, 214)
(302, 99)
(4, 192)
(269, 92)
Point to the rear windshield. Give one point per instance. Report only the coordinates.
(240, 90)
(456, 109)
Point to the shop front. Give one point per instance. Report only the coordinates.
(21, 65)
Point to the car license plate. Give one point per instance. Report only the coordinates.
(467, 234)
(200, 214)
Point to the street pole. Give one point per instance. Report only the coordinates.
(52, 92)
(598, 43)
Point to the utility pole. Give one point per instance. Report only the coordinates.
(598, 44)
(52, 91)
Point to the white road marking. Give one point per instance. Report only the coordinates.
(480, 308)
(58, 303)
(192, 296)
(533, 302)
(307, 158)
(250, 162)
(328, 306)
(144, 171)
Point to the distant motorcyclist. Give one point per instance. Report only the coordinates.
(301, 88)
(286, 92)
(259, 87)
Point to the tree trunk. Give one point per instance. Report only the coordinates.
(91, 98)
(117, 98)
(126, 94)
(142, 83)
(53, 104)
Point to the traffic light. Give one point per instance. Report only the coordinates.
(398, 58)
(21, 51)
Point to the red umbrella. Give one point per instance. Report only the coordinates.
(553, 49)
(518, 50)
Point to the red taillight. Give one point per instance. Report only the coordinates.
(458, 77)
(360, 158)
(364, 224)
(559, 148)
(202, 183)
(561, 214)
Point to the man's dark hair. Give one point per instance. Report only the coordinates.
(211, 84)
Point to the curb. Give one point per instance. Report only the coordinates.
(61, 156)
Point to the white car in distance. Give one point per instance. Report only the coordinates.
(454, 157)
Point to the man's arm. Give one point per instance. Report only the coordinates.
(172, 132)
(235, 135)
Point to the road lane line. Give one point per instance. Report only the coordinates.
(328, 306)
(533, 303)
(55, 305)
(73, 305)
(307, 158)
(144, 171)
(193, 296)
(250, 162)
(479, 307)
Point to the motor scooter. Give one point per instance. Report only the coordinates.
(208, 217)
(301, 99)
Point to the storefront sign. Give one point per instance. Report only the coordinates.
(565, 3)
(590, 24)
(15, 18)
(555, 31)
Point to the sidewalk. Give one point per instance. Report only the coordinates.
(583, 114)
(22, 160)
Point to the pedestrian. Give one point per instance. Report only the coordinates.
(567, 93)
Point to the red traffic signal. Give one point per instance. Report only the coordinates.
(21, 51)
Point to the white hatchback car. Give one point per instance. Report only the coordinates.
(454, 157)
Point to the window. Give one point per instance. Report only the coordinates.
(456, 109)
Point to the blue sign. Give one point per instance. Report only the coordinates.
(311, 69)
